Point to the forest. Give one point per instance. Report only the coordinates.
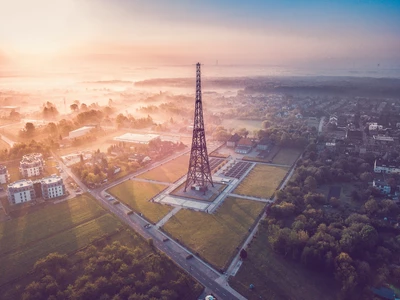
(112, 272)
(359, 247)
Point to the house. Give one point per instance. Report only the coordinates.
(384, 166)
(4, 176)
(233, 140)
(382, 186)
(244, 146)
(31, 165)
(264, 144)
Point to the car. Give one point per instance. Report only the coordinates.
(147, 226)
(165, 239)
(189, 256)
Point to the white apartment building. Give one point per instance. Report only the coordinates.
(31, 165)
(4, 176)
(52, 187)
(21, 191)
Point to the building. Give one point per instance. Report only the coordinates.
(136, 138)
(4, 176)
(382, 186)
(21, 191)
(384, 293)
(264, 144)
(244, 146)
(80, 132)
(382, 139)
(383, 166)
(233, 140)
(52, 187)
(31, 165)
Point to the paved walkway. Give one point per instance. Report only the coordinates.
(167, 217)
(251, 198)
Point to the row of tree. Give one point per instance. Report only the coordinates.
(113, 272)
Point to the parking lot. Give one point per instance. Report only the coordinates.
(238, 169)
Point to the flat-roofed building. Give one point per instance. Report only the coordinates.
(31, 165)
(384, 166)
(136, 138)
(21, 191)
(4, 176)
(80, 132)
(52, 187)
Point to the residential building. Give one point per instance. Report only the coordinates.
(382, 186)
(31, 165)
(384, 166)
(264, 144)
(52, 187)
(244, 146)
(4, 176)
(21, 191)
(233, 140)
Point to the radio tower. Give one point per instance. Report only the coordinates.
(199, 174)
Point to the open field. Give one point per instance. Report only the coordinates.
(18, 232)
(277, 278)
(215, 236)
(262, 181)
(62, 228)
(250, 125)
(170, 171)
(286, 156)
(343, 191)
(136, 195)
(4, 145)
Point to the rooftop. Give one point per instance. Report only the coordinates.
(136, 138)
(20, 183)
(82, 129)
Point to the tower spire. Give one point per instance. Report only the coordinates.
(199, 173)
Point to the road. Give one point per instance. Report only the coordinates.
(197, 268)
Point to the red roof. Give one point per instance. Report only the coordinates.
(245, 142)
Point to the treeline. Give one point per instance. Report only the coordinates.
(131, 122)
(20, 149)
(358, 247)
(113, 272)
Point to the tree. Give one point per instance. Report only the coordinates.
(366, 177)
(345, 272)
(243, 132)
(243, 254)
(74, 107)
(371, 206)
(310, 183)
(29, 128)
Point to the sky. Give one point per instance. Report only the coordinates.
(152, 32)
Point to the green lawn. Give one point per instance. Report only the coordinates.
(136, 195)
(215, 236)
(286, 156)
(170, 171)
(19, 262)
(277, 278)
(262, 181)
(16, 233)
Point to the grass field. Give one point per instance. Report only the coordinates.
(215, 236)
(286, 156)
(250, 125)
(170, 171)
(277, 278)
(137, 195)
(17, 233)
(4, 145)
(62, 228)
(262, 181)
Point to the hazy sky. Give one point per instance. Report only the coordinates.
(277, 32)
